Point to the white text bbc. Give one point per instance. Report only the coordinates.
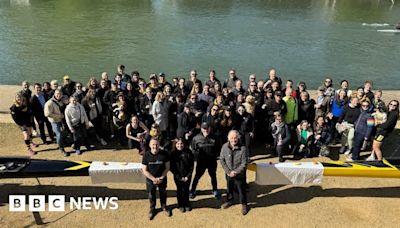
(37, 203)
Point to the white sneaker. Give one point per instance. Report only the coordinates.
(34, 133)
(103, 142)
(347, 152)
(371, 158)
(349, 159)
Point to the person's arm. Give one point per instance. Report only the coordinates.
(147, 174)
(191, 163)
(14, 115)
(370, 126)
(128, 132)
(223, 161)
(142, 125)
(391, 120)
(243, 161)
(68, 120)
(287, 135)
(344, 112)
(166, 170)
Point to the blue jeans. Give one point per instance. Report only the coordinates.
(57, 130)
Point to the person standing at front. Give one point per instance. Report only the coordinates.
(233, 160)
(78, 122)
(156, 165)
(54, 111)
(204, 147)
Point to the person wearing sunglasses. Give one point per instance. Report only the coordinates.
(362, 129)
(384, 129)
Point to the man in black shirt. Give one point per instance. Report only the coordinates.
(155, 167)
(204, 147)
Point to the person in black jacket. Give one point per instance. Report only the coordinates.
(37, 105)
(386, 128)
(281, 134)
(322, 136)
(22, 116)
(244, 124)
(204, 147)
(182, 163)
(186, 123)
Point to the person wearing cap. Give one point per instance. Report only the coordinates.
(323, 101)
(162, 82)
(68, 87)
(233, 161)
(153, 84)
(205, 148)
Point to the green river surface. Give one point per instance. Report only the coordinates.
(305, 40)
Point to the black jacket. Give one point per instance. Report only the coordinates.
(36, 107)
(186, 123)
(21, 115)
(182, 163)
(244, 124)
(204, 148)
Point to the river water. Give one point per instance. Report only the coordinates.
(305, 40)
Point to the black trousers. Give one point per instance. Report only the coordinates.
(41, 122)
(201, 166)
(151, 190)
(238, 183)
(80, 137)
(182, 192)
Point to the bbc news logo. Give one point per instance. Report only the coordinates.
(37, 203)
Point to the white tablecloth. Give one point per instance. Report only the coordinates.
(116, 172)
(289, 173)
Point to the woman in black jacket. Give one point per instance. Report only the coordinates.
(182, 163)
(23, 117)
(384, 129)
(322, 136)
(244, 124)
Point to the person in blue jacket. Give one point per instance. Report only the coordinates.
(362, 129)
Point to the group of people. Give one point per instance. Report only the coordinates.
(172, 124)
(128, 111)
